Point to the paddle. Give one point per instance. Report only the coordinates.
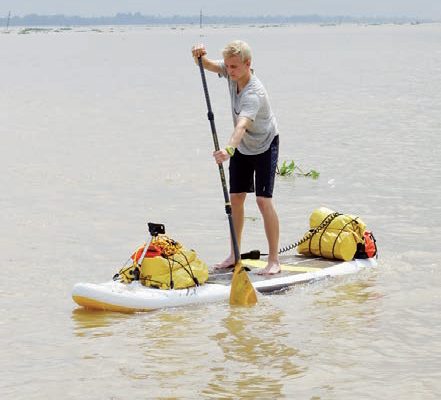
(242, 291)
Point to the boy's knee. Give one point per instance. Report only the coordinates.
(264, 203)
(237, 198)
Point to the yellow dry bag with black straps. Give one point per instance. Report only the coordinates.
(332, 235)
(166, 265)
(178, 271)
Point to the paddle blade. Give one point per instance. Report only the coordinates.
(242, 291)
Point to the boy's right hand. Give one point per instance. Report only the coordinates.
(198, 50)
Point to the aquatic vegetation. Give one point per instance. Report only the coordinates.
(61, 30)
(292, 169)
(26, 31)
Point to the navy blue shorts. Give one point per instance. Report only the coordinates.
(254, 172)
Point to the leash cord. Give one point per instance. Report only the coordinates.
(324, 224)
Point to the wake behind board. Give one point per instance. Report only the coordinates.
(134, 297)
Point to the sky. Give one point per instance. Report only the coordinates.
(358, 8)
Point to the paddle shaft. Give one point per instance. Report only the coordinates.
(210, 116)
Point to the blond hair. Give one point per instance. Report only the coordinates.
(237, 48)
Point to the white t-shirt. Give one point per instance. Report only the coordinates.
(252, 102)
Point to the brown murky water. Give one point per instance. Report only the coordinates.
(102, 132)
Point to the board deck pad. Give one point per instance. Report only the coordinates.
(290, 264)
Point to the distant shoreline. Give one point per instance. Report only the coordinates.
(34, 20)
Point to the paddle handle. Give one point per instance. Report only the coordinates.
(210, 116)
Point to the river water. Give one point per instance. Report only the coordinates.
(102, 130)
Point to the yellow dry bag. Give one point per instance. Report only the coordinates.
(178, 271)
(332, 235)
(166, 264)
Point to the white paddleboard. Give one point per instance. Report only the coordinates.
(134, 297)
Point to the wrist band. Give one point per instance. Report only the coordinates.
(230, 150)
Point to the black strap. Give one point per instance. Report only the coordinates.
(323, 225)
(342, 230)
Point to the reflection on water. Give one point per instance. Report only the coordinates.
(354, 292)
(214, 351)
(171, 349)
(351, 306)
(87, 322)
(256, 361)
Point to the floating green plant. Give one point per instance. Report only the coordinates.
(290, 169)
(286, 169)
(27, 31)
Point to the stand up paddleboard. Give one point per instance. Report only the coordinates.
(134, 297)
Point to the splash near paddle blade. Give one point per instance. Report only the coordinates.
(242, 291)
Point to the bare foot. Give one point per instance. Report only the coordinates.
(271, 269)
(227, 263)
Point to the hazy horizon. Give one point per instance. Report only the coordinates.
(95, 8)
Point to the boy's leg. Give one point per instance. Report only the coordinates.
(271, 224)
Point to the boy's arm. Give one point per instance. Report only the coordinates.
(210, 65)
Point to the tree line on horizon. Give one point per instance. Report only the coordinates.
(140, 19)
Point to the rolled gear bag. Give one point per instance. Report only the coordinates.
(178, 271)
(130, 272)
(336, 240)
(367, 249)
